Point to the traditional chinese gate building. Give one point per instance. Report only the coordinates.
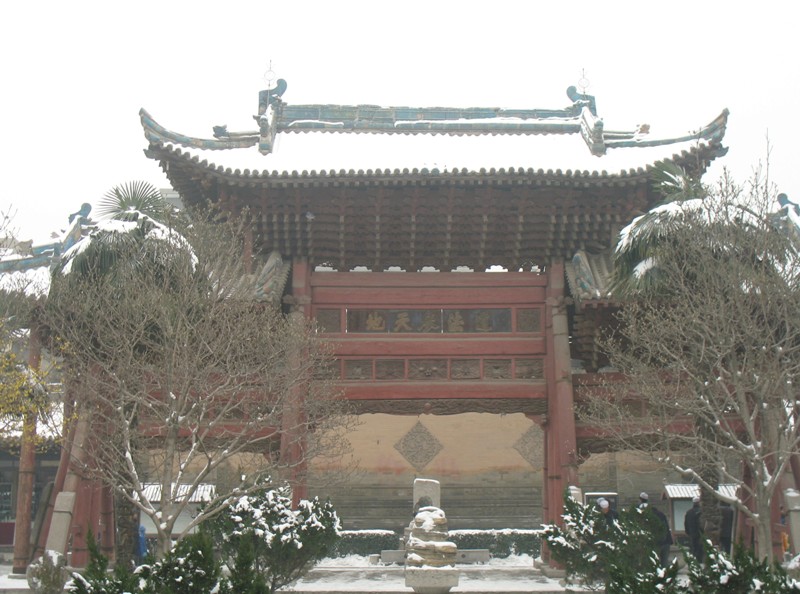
(393, 221)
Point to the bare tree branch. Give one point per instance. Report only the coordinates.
(710, 354)
(183, 376)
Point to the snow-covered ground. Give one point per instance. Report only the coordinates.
(355, 574)
(11, 583)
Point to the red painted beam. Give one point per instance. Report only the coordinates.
(441, 280)
(449, 390)
(356, 296)
(472, 345)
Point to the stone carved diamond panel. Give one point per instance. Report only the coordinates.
(530, 446)
(419, 446)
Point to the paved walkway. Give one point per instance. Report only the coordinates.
(12, 585)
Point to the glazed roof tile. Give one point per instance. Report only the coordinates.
(328, 155)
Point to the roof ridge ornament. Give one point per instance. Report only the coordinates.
(267, 98)
(274, 117)
(269, 104)
(580, 97)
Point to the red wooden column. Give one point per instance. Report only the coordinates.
(94, 510)
(27, 470)
(61, 473)
(292, 434)
(560, 468)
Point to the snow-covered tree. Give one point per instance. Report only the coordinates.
(134, 197)
(709, 347)
(267, 544)
(619, 557)
(182, 376)
(21, 388)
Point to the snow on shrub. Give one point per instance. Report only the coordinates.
(266, 544)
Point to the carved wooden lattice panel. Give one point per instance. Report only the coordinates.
(529, 320)
(390, 369)
(529, 369)
(358, 369)
(427, 369)
(496, 369)
(465, 369)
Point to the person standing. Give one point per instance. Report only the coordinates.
(664, 537)
(725, 527)
(609, 514)
(141, 545)
(693, 524)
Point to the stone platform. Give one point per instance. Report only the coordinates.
(474, 579)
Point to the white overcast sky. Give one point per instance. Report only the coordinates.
(74, 75)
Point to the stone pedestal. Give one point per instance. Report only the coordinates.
(431, 580)
(427, 543)
(430, 557)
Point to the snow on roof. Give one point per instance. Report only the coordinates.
(155, 230)
(678, 491)
(203, 493)
(327, 152)
(33, 282)
(28, 270)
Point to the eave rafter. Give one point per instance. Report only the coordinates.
(412, 253)
(414, 219)
(378, 265)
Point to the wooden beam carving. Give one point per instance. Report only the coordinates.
(342, 231)
(482, 264)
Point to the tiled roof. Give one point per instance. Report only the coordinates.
(27, 270)
(204, 492)
(678, 491)
(367, 156)
(349, 186)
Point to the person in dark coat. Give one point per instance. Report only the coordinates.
(664, 539)
(693, 524)
(725, 527)
(609, 514)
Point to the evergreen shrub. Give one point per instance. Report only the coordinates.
(97, 579)
(741, 573)
(189, 568)
(365, 542)
(620, 558)
(47, 574)
(263, 541)
(501, 543)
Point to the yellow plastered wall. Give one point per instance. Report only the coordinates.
(471, 444)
